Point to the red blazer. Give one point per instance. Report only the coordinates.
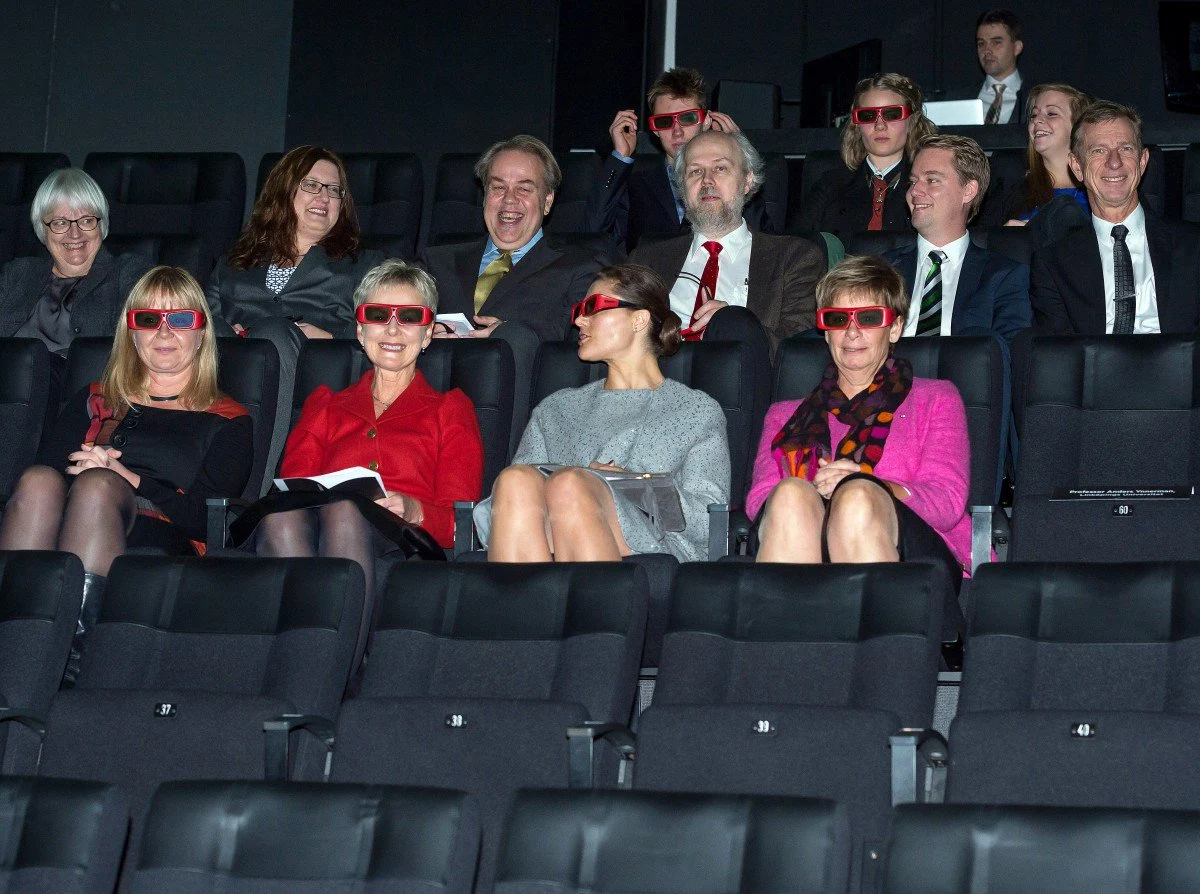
(426, 445)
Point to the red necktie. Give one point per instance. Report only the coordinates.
(706, 290)
(879, 188)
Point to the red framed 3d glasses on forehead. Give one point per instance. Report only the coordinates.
(595, 303)
(686, 118)
(868, 114)
(405, 314)
(875, 317)
(152, 318)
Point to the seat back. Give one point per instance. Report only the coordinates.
(482, 368)
(248, 372)
(1070, 671)
(720, 369)
(774, 193)
(654, 842)
(58, 835)
(753, 104)
(39, 604)
(1191, 183)
(976, 365)
(1099, 413)
(201, 193)
(1011, 850)
(25, 386)
(1153, 188)
(579, 171)
(876, 242)
(193, 253)
(306, 838)
(1011, 242)
(21, 173)
(817, 164)
(457, 200)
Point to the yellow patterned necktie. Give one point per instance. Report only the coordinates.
(492, 274)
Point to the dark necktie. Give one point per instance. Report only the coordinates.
(707, 288)
(930, 320)
(879, 188)
(1126, 294)
(993, 112)
(491, 276)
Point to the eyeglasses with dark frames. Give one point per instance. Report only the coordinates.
(334, 190)
(60, 225)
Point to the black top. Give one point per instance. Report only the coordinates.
(183, 456)
(840, 203)
(51, 317)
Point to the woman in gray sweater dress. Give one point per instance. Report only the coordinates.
(634, 420)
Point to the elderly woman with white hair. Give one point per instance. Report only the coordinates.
(79, 288)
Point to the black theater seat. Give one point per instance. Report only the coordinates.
(21, 173)
(457, 200)
(25, 396)
(192, 253)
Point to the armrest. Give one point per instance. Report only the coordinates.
(25, 718)
(581, 742)
(277, 741)
(919, 759)
(1001, 533)
(464, 528)
(219, 516)
(718, 530)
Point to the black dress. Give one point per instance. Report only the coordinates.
(183, 457)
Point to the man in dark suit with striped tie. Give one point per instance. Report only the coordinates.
(957, 287)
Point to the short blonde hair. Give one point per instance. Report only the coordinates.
(919, 127)
(866, 274)
(125, 376)
(970, 163)
(395, 272)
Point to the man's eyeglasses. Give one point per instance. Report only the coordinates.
(863, 317)
(335, 190)
(61, 224)
(868, 114)
(595, 303)
(150, 318)
(686, 118)
(404, 314)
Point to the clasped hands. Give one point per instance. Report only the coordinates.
(830, 474)
(91, 456)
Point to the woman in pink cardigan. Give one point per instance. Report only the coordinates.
(873, 466)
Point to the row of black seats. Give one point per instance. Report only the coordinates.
(776, 680)
(254, 837)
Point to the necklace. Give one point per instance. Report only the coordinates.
(163, 400)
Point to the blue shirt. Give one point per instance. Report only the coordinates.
(1077, 194)
(670, 180)
(490, 252)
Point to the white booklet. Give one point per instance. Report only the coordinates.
(355, 480)
(457, 322)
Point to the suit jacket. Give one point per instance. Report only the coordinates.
(629, 200)
(783, 278)
(426, 445)
(320, 290)
(1018, 116)
(840, 203)
(927, 451)
(1067, 282)
(538, 291)
(98, 298)
(992, 292)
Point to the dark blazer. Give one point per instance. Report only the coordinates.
(628, 200)
(321, 291)
(840, 203)
(1018, 116)
(538, 291)
(98, 297)
(992, 292)
(1067, 281)
(783, 278)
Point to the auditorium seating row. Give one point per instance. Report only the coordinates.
(187, 208)
(254, 837)
(1078, 690)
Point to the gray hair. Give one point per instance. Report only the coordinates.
(530, 146)
(395, 272)
(752, 161)
(75, 189)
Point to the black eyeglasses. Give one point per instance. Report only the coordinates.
(335, 190)
(60, 225)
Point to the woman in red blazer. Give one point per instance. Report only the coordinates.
(424, 444)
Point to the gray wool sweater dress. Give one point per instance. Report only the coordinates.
(673, 429)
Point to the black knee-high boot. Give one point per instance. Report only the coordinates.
(89, 613)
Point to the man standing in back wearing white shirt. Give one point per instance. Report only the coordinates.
(998, 44)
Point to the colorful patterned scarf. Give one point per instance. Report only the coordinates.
(805, 437)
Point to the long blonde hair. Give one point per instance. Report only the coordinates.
(1039, 184)
(126, 378)
(919, 127)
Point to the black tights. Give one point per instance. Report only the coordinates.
(90, 516)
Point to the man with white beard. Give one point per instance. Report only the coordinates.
(727, 279)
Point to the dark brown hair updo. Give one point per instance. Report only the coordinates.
(645, 289)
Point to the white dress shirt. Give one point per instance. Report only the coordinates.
(956, 252)
(1145, 305)
(1008, 102)
(733, 272)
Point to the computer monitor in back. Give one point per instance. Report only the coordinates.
(827, 85)
(1179, 39)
